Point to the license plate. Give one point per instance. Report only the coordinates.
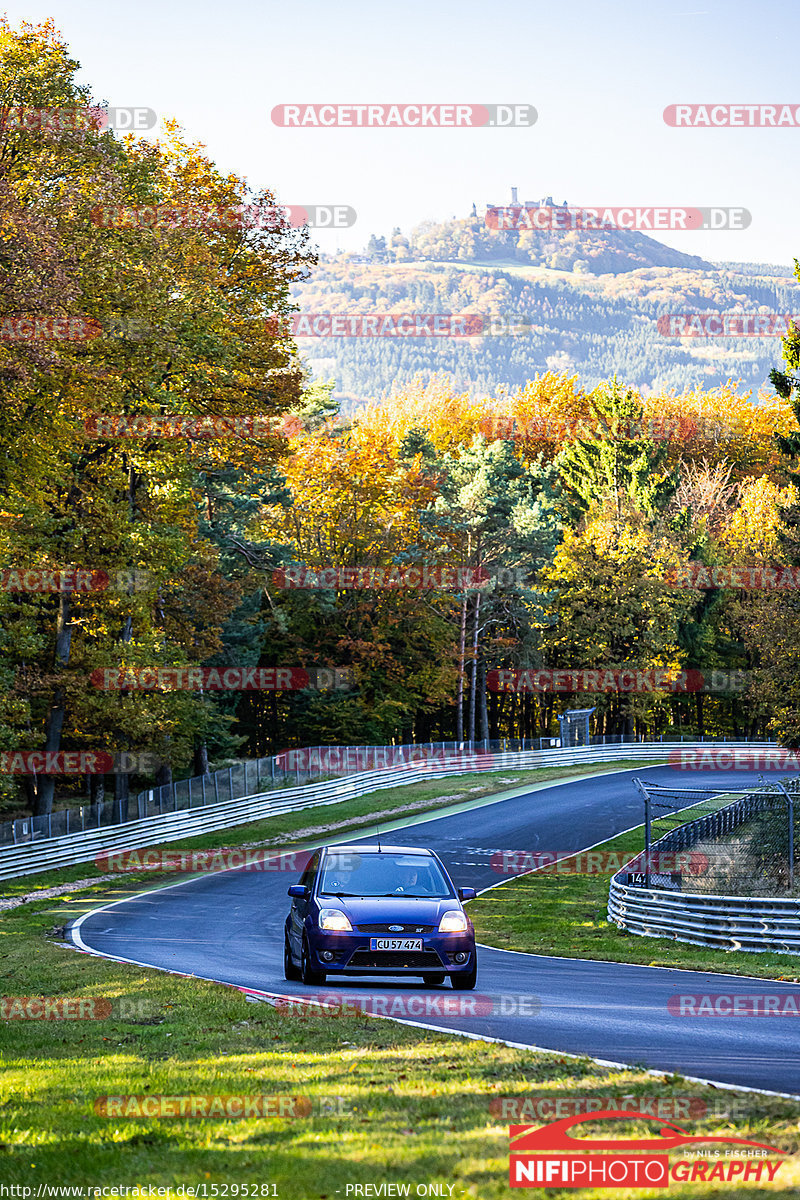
(395, 943)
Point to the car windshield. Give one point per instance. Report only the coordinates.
(353, 874)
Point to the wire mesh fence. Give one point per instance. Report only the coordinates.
(734, 842)
(254, 776)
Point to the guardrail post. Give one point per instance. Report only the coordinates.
(190, 791)
(230, 782)
(790, 817)
(643, 793)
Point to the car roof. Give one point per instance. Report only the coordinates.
(379, 849)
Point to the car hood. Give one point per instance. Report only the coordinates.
(399, 910)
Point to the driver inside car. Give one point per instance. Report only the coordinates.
(407, 881)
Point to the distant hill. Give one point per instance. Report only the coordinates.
(593, 252)
(582, 301)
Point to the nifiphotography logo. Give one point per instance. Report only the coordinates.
(548, 1156)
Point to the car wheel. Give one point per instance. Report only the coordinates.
(306, 974)
(290, 971)
(433, 979)
(465, 982)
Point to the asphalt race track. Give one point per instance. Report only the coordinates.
(229, 927)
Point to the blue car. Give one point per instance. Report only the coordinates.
(379, 910)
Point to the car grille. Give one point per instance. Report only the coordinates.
(427, 960)
(406, 929)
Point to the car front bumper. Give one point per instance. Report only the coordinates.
(351, 954)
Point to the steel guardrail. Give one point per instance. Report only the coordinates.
(754, 924)
(749, 923)
(70, 850)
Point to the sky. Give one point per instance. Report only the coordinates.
(599, 75)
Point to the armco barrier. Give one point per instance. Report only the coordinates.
(748, 923)
(236, 781)
(250, 777)
(47, 854)
(751, 923)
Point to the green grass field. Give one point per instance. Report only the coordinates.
(389, 1104)
(558, 913)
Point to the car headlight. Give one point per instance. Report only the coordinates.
(334, 920)
(453, 922)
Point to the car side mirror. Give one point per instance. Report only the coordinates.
(467, 893)
(298, 891)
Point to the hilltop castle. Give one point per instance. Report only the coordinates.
(547, 202)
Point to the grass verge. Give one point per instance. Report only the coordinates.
(389, 1104)
(564, 914)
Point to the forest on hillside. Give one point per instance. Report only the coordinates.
(538, 321)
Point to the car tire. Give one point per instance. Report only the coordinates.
(433, 978)
(314, 978)
(465, 982)
(290, 971)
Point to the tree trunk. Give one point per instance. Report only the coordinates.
(122, 782)
(200, 766)
(121, 796)
(164, 776)
(44, 786)
(460, 687)
(494, 716)
(474, 676)
(482, 701)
